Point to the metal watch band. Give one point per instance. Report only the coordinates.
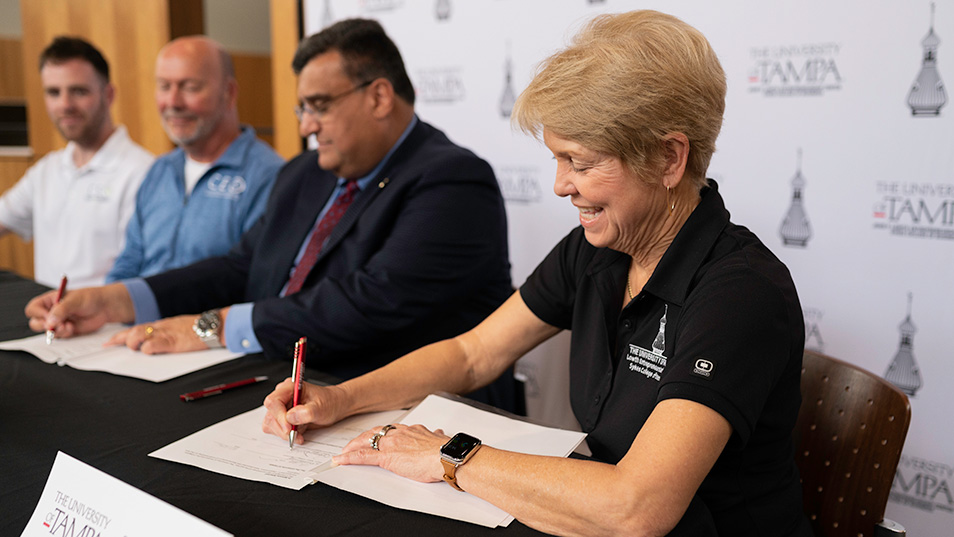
(207, 327)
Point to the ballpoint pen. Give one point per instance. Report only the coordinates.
(219, 388)
(59, 295)
(298, 368)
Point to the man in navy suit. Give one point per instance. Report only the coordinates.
(398, 235)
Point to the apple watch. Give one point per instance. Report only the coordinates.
(207, 328)
(455, 452)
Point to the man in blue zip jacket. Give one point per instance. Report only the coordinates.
(197, 200)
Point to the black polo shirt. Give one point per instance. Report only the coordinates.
(718, 323)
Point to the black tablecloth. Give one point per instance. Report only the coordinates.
(112, 423)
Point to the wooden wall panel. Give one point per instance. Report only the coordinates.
(11, 71)
(254, 75)
(15, 254)
(129, 34)
(285, 36)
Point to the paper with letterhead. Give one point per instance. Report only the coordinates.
(237, 447)
(87, 353)
(81, 500)
(440, 498)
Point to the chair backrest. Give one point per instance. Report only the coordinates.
(850, 431)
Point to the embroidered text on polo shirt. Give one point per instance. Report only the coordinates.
(651, 363)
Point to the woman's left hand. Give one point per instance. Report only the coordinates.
(411, 451)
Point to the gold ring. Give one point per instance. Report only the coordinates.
(149, 331)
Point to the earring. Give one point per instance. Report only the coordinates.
(669, 201)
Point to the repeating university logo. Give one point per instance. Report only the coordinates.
(327, 18)
(903, 371)
(927, 94)
(520, 184)
(795, 229)
(440, 85)
(813, 337)
(923, 484)
(915, 210)
(442, 10)
(508, 96)
(804, 70)
(377, 6)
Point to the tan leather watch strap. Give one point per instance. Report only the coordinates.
(450, 474)
(450, 469)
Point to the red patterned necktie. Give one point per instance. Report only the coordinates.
(319, 236)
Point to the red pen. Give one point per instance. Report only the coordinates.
(298, 368)
(59, 295)
(215, 390)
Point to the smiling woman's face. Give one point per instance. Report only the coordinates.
(617, 209)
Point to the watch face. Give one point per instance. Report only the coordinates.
(459, 446)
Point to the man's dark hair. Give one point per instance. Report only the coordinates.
(64, 48)
(367, 53)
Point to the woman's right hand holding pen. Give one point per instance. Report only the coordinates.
(318, 406)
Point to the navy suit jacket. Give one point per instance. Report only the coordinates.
(420, 255)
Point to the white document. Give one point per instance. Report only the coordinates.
(81, 500)
(87, 353)
(440, 498)
(238, 447)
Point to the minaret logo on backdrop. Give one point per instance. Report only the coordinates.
(800, 70)
(813, 337)
(508, 97)
(442, 10)
(903, 371)
(374, 6)
(795, 229)
(327, 19)
(927, 94)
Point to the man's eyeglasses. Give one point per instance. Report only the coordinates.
(319, 109)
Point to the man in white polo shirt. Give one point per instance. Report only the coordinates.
(74, 203)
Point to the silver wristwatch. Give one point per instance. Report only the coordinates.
(207, 328)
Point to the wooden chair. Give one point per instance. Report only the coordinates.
(850, 431)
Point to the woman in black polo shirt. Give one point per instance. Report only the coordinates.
(687, 333)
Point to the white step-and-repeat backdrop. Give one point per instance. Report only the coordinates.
(837, 150)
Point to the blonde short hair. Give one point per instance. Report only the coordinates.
(624, 83)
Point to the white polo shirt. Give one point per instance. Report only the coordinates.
(77, 216)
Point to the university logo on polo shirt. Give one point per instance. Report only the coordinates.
(651, 362)
(225, 186)
(99, 192)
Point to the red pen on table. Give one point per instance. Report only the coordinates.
(217, 389)
(298, 370)
(59, 295)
